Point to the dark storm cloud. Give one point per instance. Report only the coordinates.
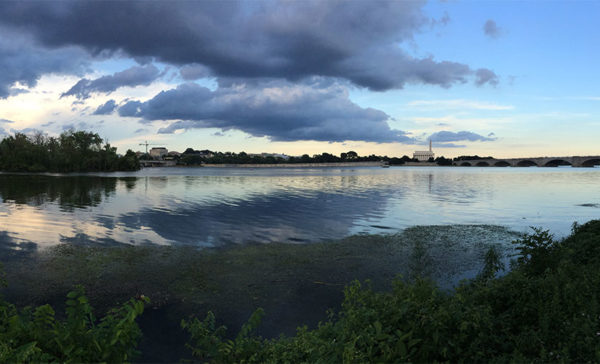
(354, 40)
(131, 108)
(491, 29)
(23, 62)
(279, 110)
(131, 77)
(107, 108)
(192, 72)
(449, 136)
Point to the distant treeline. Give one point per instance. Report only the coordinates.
(471, 158)
(193, 157)
(72, 151)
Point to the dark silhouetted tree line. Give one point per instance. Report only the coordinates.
(471, 158)
(192, 157)
(72, 151)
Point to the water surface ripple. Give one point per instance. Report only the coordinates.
(217, 206)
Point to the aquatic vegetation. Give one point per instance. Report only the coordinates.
(295, 284)
(546, 309)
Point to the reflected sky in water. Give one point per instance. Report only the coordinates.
(217, 206)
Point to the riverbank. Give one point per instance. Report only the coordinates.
(295, 284)
(296, 165)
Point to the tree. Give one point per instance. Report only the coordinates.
(72, 151)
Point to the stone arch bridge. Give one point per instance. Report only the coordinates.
(577, 161)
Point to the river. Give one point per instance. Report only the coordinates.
(220, 206)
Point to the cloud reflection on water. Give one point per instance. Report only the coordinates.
(207, 207)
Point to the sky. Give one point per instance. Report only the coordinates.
(500, 78)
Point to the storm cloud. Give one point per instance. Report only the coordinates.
(131, 77)
(107, 108)
(278, 110)
(355, 40)
(22, 62)
(449, 136)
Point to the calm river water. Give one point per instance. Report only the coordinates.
(216, 206)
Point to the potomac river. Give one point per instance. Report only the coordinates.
(220, 206)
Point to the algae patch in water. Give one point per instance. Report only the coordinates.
(294, 283)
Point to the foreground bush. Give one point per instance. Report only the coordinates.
(546, 309)
(36, 335)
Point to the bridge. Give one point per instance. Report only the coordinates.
(576, 161)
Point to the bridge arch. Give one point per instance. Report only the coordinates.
(526, 163)
(502, 164)
(465, 164)
(591, 162)
(557, 162)
(482, 164)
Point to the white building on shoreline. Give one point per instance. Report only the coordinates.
(424, 155)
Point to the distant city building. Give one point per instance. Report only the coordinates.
(173, 154)
(424, 155)
(158, 152)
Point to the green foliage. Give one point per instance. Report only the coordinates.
(209, 343)
(546, 309)
(72, 151)
(36, 335)
(191, 157)
(537, 252)
(492, 264)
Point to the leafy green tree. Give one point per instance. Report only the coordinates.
(72, 151)
(352, 155)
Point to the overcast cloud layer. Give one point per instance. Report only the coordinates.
(21, 61)
(283, 69)
(357, 40)
(134, 76)
(279, 110)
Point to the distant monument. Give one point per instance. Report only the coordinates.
(424, 155)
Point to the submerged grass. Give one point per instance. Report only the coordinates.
(294, 284)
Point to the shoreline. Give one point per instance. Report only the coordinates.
(310, 165)
(295, 283)
(294, 165)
